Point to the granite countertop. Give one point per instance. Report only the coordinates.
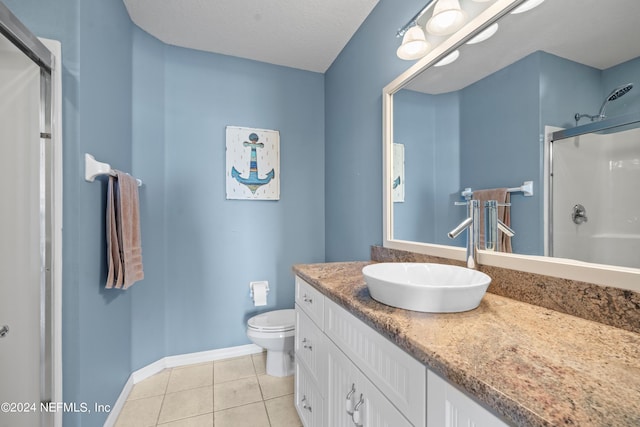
(532, 366)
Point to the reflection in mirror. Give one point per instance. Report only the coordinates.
(480, 123)
(595, 210)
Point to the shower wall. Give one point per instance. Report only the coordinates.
(600, 172)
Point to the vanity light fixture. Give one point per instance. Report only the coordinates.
(414, 44)
(448, 59)
(484, 34)
(437, 18)
(526, 6)
(447, 18)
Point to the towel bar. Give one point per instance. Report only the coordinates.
(526, 188)
(93, 168)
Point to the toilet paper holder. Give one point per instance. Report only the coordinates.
(262, 282)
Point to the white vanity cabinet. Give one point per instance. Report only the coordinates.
(347, 375)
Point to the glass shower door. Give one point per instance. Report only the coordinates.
(21, 238)
(595, 203)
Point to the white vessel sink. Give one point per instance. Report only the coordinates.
(432, 288)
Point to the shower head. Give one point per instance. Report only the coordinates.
(619, 91)
(615, 94)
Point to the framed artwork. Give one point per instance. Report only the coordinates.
(253, 163)
(398, 173)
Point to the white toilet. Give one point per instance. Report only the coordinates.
(275, 332)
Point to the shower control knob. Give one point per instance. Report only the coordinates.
(4, 331)
(579, 214)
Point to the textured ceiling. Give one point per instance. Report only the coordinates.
(304, 34)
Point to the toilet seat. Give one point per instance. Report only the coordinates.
(273, 321)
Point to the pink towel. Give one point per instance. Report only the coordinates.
(124, 249)
(501, 195)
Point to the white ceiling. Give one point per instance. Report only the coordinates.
(304, 34)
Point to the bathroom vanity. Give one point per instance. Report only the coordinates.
(359, 362)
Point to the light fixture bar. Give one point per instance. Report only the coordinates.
(413, 21)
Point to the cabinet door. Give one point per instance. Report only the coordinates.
(352, 400)
(340, 387)
(449, 407)
(310, 348)
(400, 377)
(309, 402)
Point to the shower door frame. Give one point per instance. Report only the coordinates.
(559, 135)
(46, 54)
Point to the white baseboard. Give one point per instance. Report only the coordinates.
(117, 407)
(172, 362)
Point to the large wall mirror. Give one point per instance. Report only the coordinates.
(487, 120)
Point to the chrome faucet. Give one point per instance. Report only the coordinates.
(470, 224)
(492, 224)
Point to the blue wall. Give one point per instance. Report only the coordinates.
(414, 219)
(428, 126)
(160, 112)
(500, 145)
(353, 118)
(215, 247)
(627, 72)
(148, 322)
(103, 316)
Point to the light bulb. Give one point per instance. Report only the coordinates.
(484, 34)
(448, 59)
(447, 18)
(414, 44)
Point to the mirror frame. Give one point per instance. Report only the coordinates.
(600, 274)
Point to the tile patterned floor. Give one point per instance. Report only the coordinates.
(231, 392)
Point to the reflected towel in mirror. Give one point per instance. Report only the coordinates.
(502, 196)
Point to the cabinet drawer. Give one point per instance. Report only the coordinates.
(351, 396)
(400, 377)
(311, 301)
(309, 402)
(311, 348)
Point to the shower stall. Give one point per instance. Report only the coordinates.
(30, 227)
(594, 197)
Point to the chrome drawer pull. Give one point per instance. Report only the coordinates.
(356, 417)
(305, 298)
(349, 402)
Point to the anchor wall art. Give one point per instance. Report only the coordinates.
(253, 163)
